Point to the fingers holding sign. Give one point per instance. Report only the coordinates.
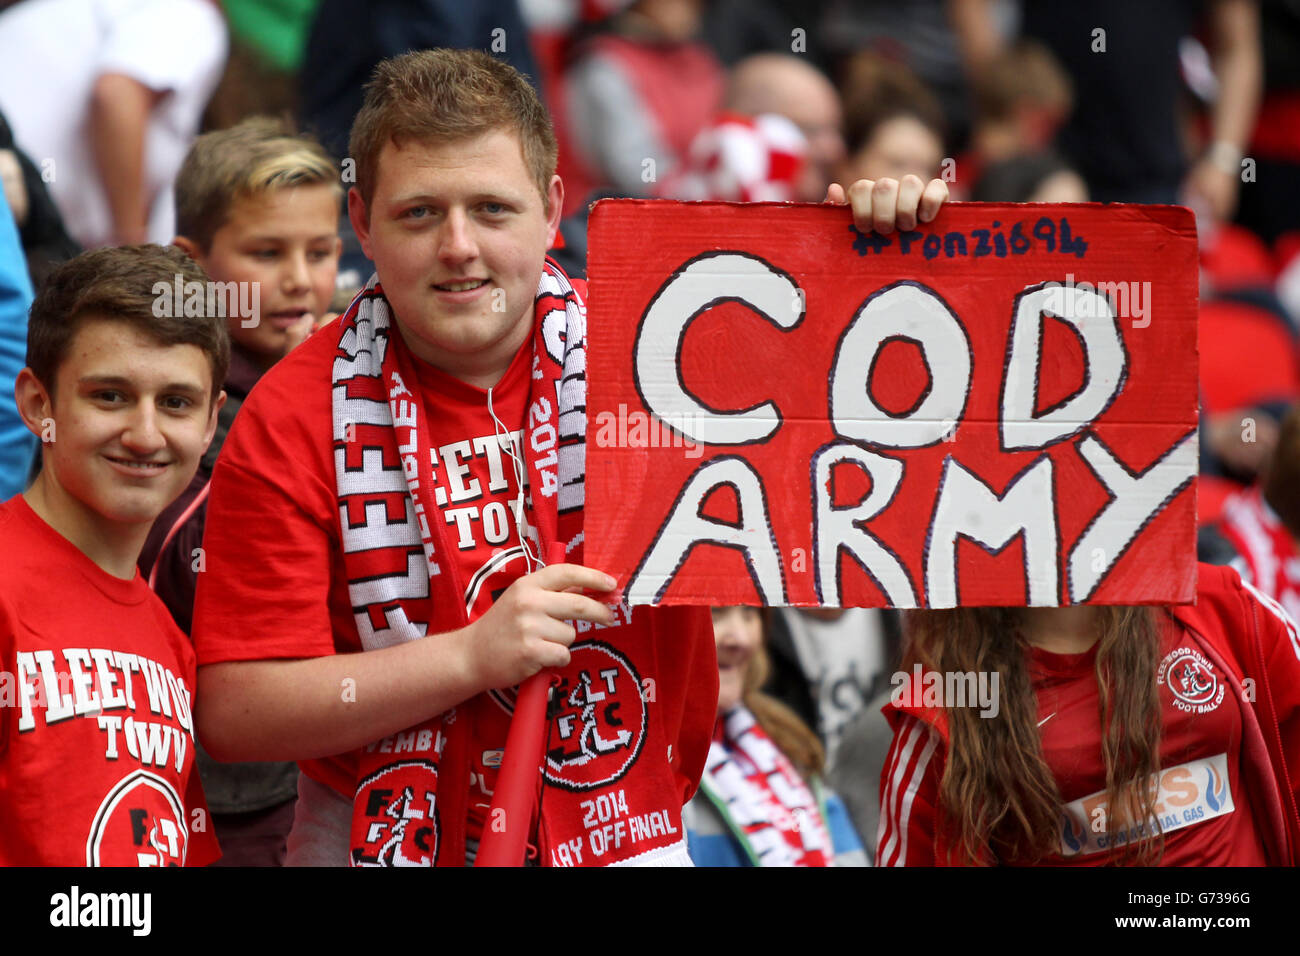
(885, 204)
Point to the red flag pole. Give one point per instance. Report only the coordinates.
(505, 833)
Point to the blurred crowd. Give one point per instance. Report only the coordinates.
(743, 100)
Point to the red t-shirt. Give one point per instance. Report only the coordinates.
(275, 585)
(476, 484)
(96, 728)
(1201, 803)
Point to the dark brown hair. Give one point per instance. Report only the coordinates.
(876, 90)
(122, 283)
(1025, 71)
(437, 96)
(998, 796)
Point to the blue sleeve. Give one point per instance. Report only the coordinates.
(708, 842)
(17, 444)
(844, 838)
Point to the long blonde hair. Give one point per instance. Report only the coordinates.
(998, 796)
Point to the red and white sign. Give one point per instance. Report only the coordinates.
(995, 409)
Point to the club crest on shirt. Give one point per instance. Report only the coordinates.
(401, 816)
(599, 719)
(141, 822)
(1192, 681)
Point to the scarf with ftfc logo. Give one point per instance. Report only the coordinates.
(609, 795)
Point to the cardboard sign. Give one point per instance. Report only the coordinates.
(998, 408)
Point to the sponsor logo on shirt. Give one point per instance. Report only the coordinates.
(1191, 678)
(1187, 794)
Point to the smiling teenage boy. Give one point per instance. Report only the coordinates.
(96, 734)
(393, 495)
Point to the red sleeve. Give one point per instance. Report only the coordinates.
(698, 696)
(909, 793)
(270, 536)
(8, 666)
(1280, 640)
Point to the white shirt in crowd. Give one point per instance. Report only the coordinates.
(51, 54)
(841, 659)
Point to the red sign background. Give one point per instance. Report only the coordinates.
(1119, 485)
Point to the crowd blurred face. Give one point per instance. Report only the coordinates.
(287, 242)
(818, 118)
(675, 19)
(1065, 186)
(898, 146)
(458, 233)
(1038, 125)
(738, 632)
(786, 86)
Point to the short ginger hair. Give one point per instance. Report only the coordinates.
(436, 96)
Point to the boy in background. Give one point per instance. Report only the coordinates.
(258, 209)
(96, 741)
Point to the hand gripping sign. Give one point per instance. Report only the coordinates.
(998, 408)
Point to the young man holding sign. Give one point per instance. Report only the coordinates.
(399, 476)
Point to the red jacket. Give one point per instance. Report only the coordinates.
(1244, 633)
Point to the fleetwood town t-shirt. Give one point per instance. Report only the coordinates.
(96, 722)
(1200, 803)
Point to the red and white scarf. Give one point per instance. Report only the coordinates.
(1268, 557)
(765, 796)
(412, 794)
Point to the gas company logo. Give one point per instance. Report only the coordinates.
(599, 719)
(1189, 793)
(401, 816)
(1192, 680)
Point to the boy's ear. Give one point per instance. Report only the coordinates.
(34, 403)
(212, 419)
(360, 219)
(188, 246)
